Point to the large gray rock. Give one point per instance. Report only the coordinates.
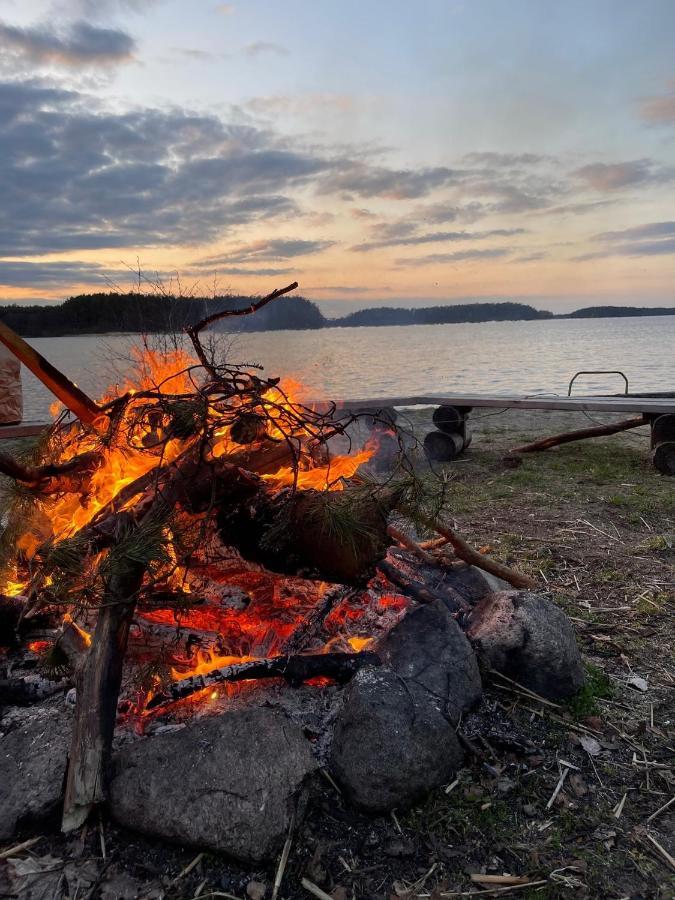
(392, 744)
(529, 639)
(230, 783)
(33, 760)
(429, 649)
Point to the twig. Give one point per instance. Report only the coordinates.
(664, 853)
(558, 787)
(284, 858)
(493, 891)
(471, 556)
(660, 810)
(526, 691)
(192, 331)
(315, 889)
(500, 879)
(409, 544)
(186, 871)
(19, 848)
(618, 809)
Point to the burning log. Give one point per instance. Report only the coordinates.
(294, 669)
(340, 535)
(580, 435)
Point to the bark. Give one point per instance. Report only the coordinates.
(98, 684)
(582, 434)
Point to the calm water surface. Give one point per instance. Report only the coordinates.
(496, 357)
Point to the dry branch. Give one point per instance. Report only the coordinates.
(471, 556)
(582, 434)
(192, 331)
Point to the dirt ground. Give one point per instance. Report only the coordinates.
(594, 523)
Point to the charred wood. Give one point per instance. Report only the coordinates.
(294, 669)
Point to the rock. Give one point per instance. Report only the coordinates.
(392, 743)
(229, 783)
(428, 648)
(529, 639)
(473, 583)
(256, 890)
(33, 759)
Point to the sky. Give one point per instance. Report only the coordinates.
(376, 151)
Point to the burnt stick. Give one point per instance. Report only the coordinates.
(295, 669)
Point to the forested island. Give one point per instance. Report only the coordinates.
(114, 312)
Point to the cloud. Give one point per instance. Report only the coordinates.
(17, 274)
(238, 270)
(78, 45)
(651, 239)
(257, 48)
(442, 213)
(365, 180)
(224, 9)
(75, 176)
(459, 256)
(301, 104)
(278, 248)
(660, 110)
(494, 160)
(640, 232)
(607, 177)
(406, 239)
(360, 213)
(194, 53)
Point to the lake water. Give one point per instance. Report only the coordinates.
(495, 357)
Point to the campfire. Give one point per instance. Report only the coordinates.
(194, 534)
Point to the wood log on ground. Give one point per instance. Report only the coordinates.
(294, 669)
(580, 435)
(441, 446)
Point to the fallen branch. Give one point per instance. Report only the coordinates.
(471, 556)
(295, 669)
(568, 436)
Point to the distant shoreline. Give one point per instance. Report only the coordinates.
(138, 314)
